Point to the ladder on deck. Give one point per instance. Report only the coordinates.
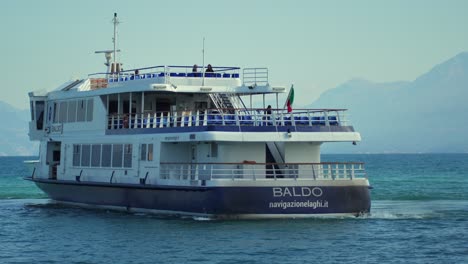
(275, 152)
(226, 102)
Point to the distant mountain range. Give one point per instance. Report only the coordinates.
(429, 114)
(14, 140)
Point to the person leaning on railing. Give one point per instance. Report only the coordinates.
(125, 121)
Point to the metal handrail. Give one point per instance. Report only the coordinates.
(228, 117)
(162, 68)
(254, 76)
(259, 171)
(266, 163)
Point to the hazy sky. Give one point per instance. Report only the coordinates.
(316, 45)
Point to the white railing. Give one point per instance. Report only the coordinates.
(230, 117)
(255, 76)
(262, 171)
(101, 80)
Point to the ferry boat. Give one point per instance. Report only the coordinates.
(191, 141)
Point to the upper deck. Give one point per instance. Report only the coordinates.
(231, 120)
(181, 79)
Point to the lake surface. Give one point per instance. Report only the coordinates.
(419, 215)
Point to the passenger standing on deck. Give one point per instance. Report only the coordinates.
(268, 110)
(209, 71)
(209, 68)
(125, 121)
(134, 75)
(195, 71)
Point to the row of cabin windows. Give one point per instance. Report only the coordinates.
(102, 155)
(73, 111)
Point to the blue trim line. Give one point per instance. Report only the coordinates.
(164, 130)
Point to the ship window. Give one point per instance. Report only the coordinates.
(63, 112)
(117, 155)
(143, 152)
(146, 152)
(80, 117)
(85, 155)
(106, 155)
(128, 156)
(89, 110)
(50, 112)
(150, 152)
(76, 155)
(32, 109)
(72, 111)
(56, 114)
(214, 150)
(96, 155)
(39, 115)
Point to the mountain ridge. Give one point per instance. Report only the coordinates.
(424, 115)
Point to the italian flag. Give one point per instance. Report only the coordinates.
(290, 100)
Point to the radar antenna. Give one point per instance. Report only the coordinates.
(108, 55)
(113, 67)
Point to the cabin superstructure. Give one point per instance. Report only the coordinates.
(163, 103)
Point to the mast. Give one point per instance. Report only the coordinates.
(112, 67)
(114, 40)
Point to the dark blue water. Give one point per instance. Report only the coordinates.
(419, 215)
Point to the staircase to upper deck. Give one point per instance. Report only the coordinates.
(251, 77)
(221, 101)
(227, 102)
(275, 151)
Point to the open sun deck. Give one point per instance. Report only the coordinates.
(179, 76)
